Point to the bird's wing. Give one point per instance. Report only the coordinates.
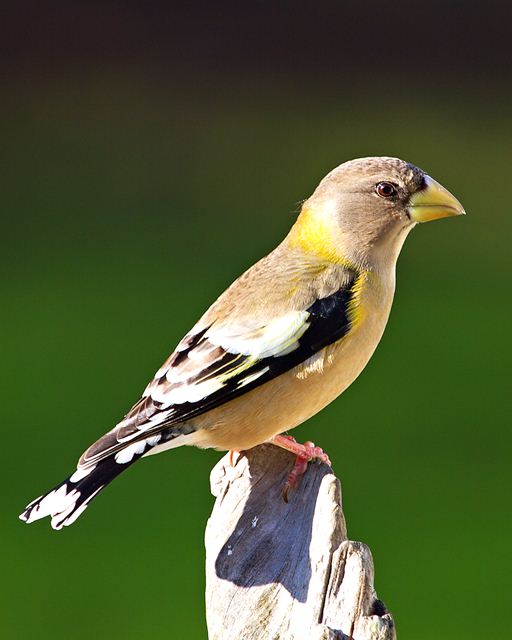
(221, 360)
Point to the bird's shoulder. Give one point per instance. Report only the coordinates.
(280, 283)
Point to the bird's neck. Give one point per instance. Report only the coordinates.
(318, 238)
(314, 235)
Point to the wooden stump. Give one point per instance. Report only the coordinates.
(285, 571)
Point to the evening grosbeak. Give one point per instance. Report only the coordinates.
(283, 341)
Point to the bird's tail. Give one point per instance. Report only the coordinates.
(69, 499)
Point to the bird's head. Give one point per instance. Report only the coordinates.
(365, 208)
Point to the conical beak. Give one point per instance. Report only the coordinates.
(433, 202)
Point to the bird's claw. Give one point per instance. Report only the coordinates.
(231, 458)
(304, 453)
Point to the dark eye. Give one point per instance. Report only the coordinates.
(385, 189)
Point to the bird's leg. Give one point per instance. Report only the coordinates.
(232, 456)
(304, 453)
(307, 451)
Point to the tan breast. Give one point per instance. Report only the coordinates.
(292, 398)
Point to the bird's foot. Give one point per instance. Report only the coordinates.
(232, 454)
(304, 453)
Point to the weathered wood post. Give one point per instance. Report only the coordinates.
(285, 571)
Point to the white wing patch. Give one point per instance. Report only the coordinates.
(185, 393)
(278, 337)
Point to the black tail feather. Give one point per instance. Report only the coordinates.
(69, 499)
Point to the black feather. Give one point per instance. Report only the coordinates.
(329, 321)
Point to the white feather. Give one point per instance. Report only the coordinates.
(126, 454)
(59, 522)
(185, 393)
(81, 473)
(55, 502)
(252, 377)
(278, 337)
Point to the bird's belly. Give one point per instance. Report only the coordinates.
(293, 397)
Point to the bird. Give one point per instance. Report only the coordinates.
(282, 342)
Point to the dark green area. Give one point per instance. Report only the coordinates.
(127, 210)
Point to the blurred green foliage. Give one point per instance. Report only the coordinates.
(128, 209)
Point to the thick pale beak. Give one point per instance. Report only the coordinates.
(433, 202)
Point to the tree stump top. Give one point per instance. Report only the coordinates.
(277, 570)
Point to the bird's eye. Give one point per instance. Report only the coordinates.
(385, 189)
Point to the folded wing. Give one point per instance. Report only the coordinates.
(220, 360)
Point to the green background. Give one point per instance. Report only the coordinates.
(129, 205)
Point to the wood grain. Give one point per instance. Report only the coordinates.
(285, 571)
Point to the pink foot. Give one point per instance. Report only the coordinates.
(232, 453)
(304, 453)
